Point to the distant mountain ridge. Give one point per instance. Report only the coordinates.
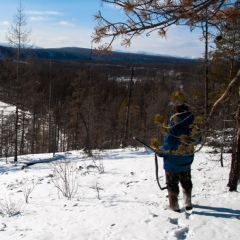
(85, 54)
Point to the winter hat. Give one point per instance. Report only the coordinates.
(182, 108)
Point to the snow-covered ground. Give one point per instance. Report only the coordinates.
(122, 203)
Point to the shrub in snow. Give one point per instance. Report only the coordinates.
(10, 208)
(65, 177)
(27, 187)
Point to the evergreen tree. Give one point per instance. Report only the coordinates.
(18, 36)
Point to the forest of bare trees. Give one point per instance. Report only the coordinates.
(62, 105)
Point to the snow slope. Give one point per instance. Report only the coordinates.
(122, 203)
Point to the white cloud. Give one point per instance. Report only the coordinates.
(44, 13)
(5, 23)
(66, 23)
(63, 37)
(39, 18)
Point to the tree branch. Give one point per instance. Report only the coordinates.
(225, 95)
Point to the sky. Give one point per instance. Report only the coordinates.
(61, 23)
(120, 201)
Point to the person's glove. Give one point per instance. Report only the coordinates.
(157, 152)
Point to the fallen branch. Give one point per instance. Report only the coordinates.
(46, 160)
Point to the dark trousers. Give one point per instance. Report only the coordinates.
(173, 179)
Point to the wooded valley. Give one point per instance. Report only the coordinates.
(60, 105)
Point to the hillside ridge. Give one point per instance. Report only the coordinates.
(85, 54)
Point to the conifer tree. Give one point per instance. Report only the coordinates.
(18, 36)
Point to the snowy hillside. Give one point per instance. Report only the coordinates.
(122, 203)
(7, 108)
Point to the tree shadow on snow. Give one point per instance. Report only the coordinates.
(218, 212)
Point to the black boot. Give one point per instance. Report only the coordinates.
(187, 199)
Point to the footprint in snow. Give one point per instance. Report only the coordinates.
(181, 233)
(150, 217)
(3, 227)
(173, 221)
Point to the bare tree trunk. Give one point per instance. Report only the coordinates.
(22, 143)
(235, 166)
(16, 135)
(206, 35)
(88, 143)
(2, 135)
(125, 135)
(33, 137)
(49, 108)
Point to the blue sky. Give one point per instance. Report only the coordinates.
(69, 23)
